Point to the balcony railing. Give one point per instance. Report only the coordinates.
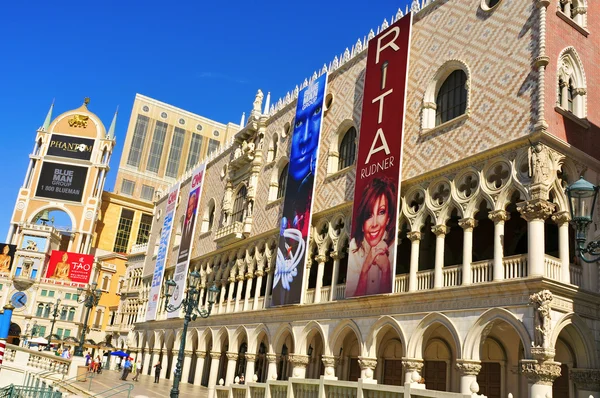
(230, 233)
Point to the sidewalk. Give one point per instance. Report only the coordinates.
(144, 388)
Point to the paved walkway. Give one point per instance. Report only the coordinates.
(144, 388)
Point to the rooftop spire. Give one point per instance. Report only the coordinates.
(243, 121)
(48, 119)
(267, 103)
(113, 125)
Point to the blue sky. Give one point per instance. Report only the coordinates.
(206, 57)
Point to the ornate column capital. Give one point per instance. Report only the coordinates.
(543, 3)
(232, 356)
(413, 235)
(259, 273)
(250, 357)
(151, 351)
(586, 379)
(467, 223)
(561, 217)
(321, 258)
(299, 360)
(271, 358)
(540, 372)
(439, 230)
(337, 255)
(188, 353)
(499, 216)
(536, 209)
(367, 363)
(412, 364)
(465, 367)
(201, 354)
(215, 355)
(329, 361)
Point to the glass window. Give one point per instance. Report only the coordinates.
(47, 311)
(71, 314)
(40, 310)
(147, 192)
(51, 293)
(194, 153)
(123, 231)
(175, 153)
(63, 314)
(282, 182)
(211, 215)
(67, 296)
(75, 296)
(451, 100)
(158, 142)
(1, 286)
(238, 205)
(59, 333)
(213, 145)
(41, 331)
(347, 149)
(67, 333)
(44, 293)
(127, 187)
(137, 143)
(570, 91)
(144, 231)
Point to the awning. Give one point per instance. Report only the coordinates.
(38, 340)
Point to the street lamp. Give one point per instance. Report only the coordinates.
(89, 297)
(54, 315)
(190, 306)
(582, 196)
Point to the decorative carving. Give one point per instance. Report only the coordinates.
(439, 230)
(78, 121)
(257, 102)
(329, 361)
(467, 223)
(412, 364)
(413, 235)
(321, 258)
(201, 354)
(543, 322)
(499, 216)
(232, 356)
(188, 353)
(561, 217)
(271, 358)
(215, 355)
(299, 360)
(540, 170)
(586, 379)
(250, 357)
(536, 209)
(540, 373)
(367, 363)
(470, 368)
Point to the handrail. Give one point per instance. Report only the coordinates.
(116, 390)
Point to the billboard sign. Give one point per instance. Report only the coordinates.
(372, 251)
(61, 181)
(297, 203)
(67, 146)
(161, 257)
(7, 256)
(70, 267)
(187, 238)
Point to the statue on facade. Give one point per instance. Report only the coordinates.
(258, 102)
(542, 318)
(539, 163)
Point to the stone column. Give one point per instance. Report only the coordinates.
(440, 237)
(240, 287)
(535, 211)
(336, 256)
(250, 361)
(587, 382)
(468, 371)
(231, 281)
(259, 278)
(185, 371)
(249, 276)
(562, 220)
(411, 365)
(222, 298)
(200, 355)
(267, 301)
(321, 258)
(329, 362)
(540, 376)
(299, 363)
(272, 369)
(306, 276)
(165, 364)
(214, 372)
(467, 224)
(415, 240)
(367, 369)
(499, 217)
(231, 361)
(146, 365)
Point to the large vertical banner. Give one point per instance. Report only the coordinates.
(161, 257)
(297, 204)
(371, 256)
(187, 238)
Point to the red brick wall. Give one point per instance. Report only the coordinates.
(559, 36)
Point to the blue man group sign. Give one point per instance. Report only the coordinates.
(298, 199)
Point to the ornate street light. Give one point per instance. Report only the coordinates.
(582, 199)
(54, 315)
(89, 297)
(190, 306)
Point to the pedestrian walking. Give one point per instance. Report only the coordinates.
(157, 369)
(126, 369)
(137, 369)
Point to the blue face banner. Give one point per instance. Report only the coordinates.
(297, 204)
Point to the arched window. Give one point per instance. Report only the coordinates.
(105, 281)
(40, 310)
(47, 311)
(63, 314)
(98, 318)
(281, 182)
(571, 91)
(71, 314)
(208, 218)
(211, 216)
(347, 151)
(451, 99)
(576, 10)
(238, 204)
(275, 146)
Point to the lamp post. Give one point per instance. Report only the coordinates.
(582, 196)
(190, 306)
(54, 315)
(89, 297)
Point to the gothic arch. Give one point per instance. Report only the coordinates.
(302, 340)
(237, 337)
(254, 338)
(340, 330)
(583, 341)
(415, 344)
(281, 333)
(381, 323)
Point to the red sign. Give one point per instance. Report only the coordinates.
(372, 252)
(70, 267)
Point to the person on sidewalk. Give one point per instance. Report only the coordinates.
(126, 369)
(157, 369)
(137, 369)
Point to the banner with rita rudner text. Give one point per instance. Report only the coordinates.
(297, 203)
(187, 238)
(161, 257)
(372, 251)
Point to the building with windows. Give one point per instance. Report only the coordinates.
(501, 115)
(162, 143)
